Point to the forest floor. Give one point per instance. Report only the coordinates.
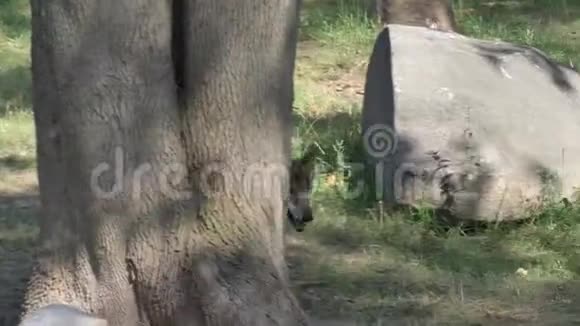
(350, 265)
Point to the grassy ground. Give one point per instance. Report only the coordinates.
(351, 264)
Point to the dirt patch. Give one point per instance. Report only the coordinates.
(351, 84)
(18, 183)
(334, 78)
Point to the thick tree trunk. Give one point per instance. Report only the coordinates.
(151, 117)
(436, 14)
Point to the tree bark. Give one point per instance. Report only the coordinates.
(152, 118)
(436, 14)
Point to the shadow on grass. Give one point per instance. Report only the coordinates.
(18, 229)
(326, 290)
(420, 278)
(15, 90)
(472, 255)
(17, 163)
(18, 212)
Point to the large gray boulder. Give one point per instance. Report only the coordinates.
(482, 130)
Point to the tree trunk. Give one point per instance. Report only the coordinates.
(152, 119)
(436, 14)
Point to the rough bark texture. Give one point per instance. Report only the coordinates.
(435, 14)
(131, 98)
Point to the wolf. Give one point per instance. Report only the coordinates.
(302, 171)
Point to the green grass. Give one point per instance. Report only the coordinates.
(550, 25)
(17, 133)
(402, 269)
(354, 261)
(14, 56)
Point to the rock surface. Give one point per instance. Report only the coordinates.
(484, 130)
